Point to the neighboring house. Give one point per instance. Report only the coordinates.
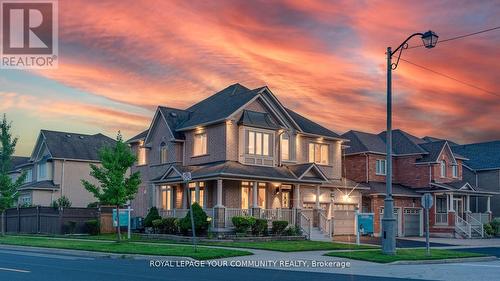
(419, 166)
(247, 155)
(482, 169)
(58, 163)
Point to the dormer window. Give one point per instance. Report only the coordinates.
(163, 153)
(443, 168)
(200, 144)
(455, 171)
(44, 171)
(285, 147)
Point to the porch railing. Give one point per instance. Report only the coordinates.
(278, 214)
(441, 218)
(482, 217)
(462, 227)
(231, 212)
(174, 213)
(305, 224)
(476, 225)
(325, 224)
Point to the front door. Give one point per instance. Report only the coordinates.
(458, 206)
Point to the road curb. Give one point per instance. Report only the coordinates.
(457, 260)
(94, 254)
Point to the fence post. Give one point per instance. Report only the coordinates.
(61, 228)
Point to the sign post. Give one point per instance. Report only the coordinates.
(186, 177)
(128, 212)
(427, 204)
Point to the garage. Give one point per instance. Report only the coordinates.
(412, 219)
(397, 216)
(344, 219)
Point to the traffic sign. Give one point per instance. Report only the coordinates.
(427, 201)
(186, 177)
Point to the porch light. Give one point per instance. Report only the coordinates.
(346, 198)
(430, 39)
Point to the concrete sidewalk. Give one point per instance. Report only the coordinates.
(490, 242)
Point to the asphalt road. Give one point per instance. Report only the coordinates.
(490, 251)
(27, 265)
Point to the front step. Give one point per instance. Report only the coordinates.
(317, 235)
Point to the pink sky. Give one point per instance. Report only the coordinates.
(119, 60)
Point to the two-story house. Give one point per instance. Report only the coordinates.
(482, 170)
(247, 155)
(419, 166)
(58, 163)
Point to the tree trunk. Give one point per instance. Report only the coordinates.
(118, 223)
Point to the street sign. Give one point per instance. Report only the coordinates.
(427, 204)
(186, 177)
(427, 201)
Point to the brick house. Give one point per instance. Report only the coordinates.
(58, 163)
(419, 166)
(247, 155)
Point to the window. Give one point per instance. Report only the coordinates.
(259, 143)
(285, 147)
(141, 154)
(163, 153)
(25, 200)
(262, 195)
(192, 193)
(166, 197)
(443, 168)
(245, 196)
(285, 199)
(455, 171)
(42, 169)
(381, 167)
(441, 204)
(200, 144)
(29, 176)
(318, 153)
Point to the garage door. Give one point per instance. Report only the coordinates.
(396, 216)
(411, 222)
(343, 222)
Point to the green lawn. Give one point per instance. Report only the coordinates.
(203, 253)
(404, 255)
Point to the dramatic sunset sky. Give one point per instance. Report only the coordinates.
(324, 59)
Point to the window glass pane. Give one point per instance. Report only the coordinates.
(163, 198)
(285, 199)
(244, 197)
(258, 143)
(262, 197)
(251, 143)
(141, 154)
(204, 144)
(324, 154)
(311, 152)
(317, 153)
(200, 144)
(285, 147)
(201, 201)
(265, 144)
(192, 196)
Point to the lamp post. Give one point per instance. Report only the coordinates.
(429, 39)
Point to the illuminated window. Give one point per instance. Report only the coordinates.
(163, 153)
(318, 153)
(285, 147)
(455, 171)
(192, 193)
(166, 197)
(259, 143)
(381, 167)
(141, 154)
(443, 168)
(245, 197)
(200, 144)
(262, 195)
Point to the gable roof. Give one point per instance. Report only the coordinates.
(16, 161)
(138, 137)
(481, 156)
(402, 143)
(257, 119)
(75, 146)
(433, 139)
(364, 142)
(311, 127)
(434, 150)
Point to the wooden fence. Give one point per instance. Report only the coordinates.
(49, 220)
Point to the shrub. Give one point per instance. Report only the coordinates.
(200, 221)
(279, 227)
(488, 229)
(151, 216)
(243, 223)
(259, 228)
(61, 202)
(157, 225)
(495, 223)
(92, 227)
(292, 231)
(93, 205)
(169, 225)
(69, 227)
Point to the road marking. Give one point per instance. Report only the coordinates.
(14, 270)
(33, 254)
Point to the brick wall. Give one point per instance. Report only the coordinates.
(406, 172)
(377, 202)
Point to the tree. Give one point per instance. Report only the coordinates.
(114, 188)
(8, 187)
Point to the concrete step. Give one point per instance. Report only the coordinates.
(317, 235)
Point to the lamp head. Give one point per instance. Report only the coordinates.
(430, 39)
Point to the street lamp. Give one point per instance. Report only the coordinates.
(429, 40)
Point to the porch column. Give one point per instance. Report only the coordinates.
(219, 209)
(296, 197)
(467, 206)
(255, 200)
(488, 204)
(318, 193)
(197, 192)
(451, 212)
(317, 207)
(452, 207)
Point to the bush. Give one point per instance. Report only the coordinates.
(169, 225)
(243, 223)
(92, 227)
(157, 225)
(488, 229)
(279, 227)
(259, 228)
(93, 205)
(61, 202)
(292, 231)
(495, 223)
(69, 227)
(200, 221)
(151, 216)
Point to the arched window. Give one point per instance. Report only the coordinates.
(443, 168)
(285, 147)
(163, 153)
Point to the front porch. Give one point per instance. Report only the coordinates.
(303, 205)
